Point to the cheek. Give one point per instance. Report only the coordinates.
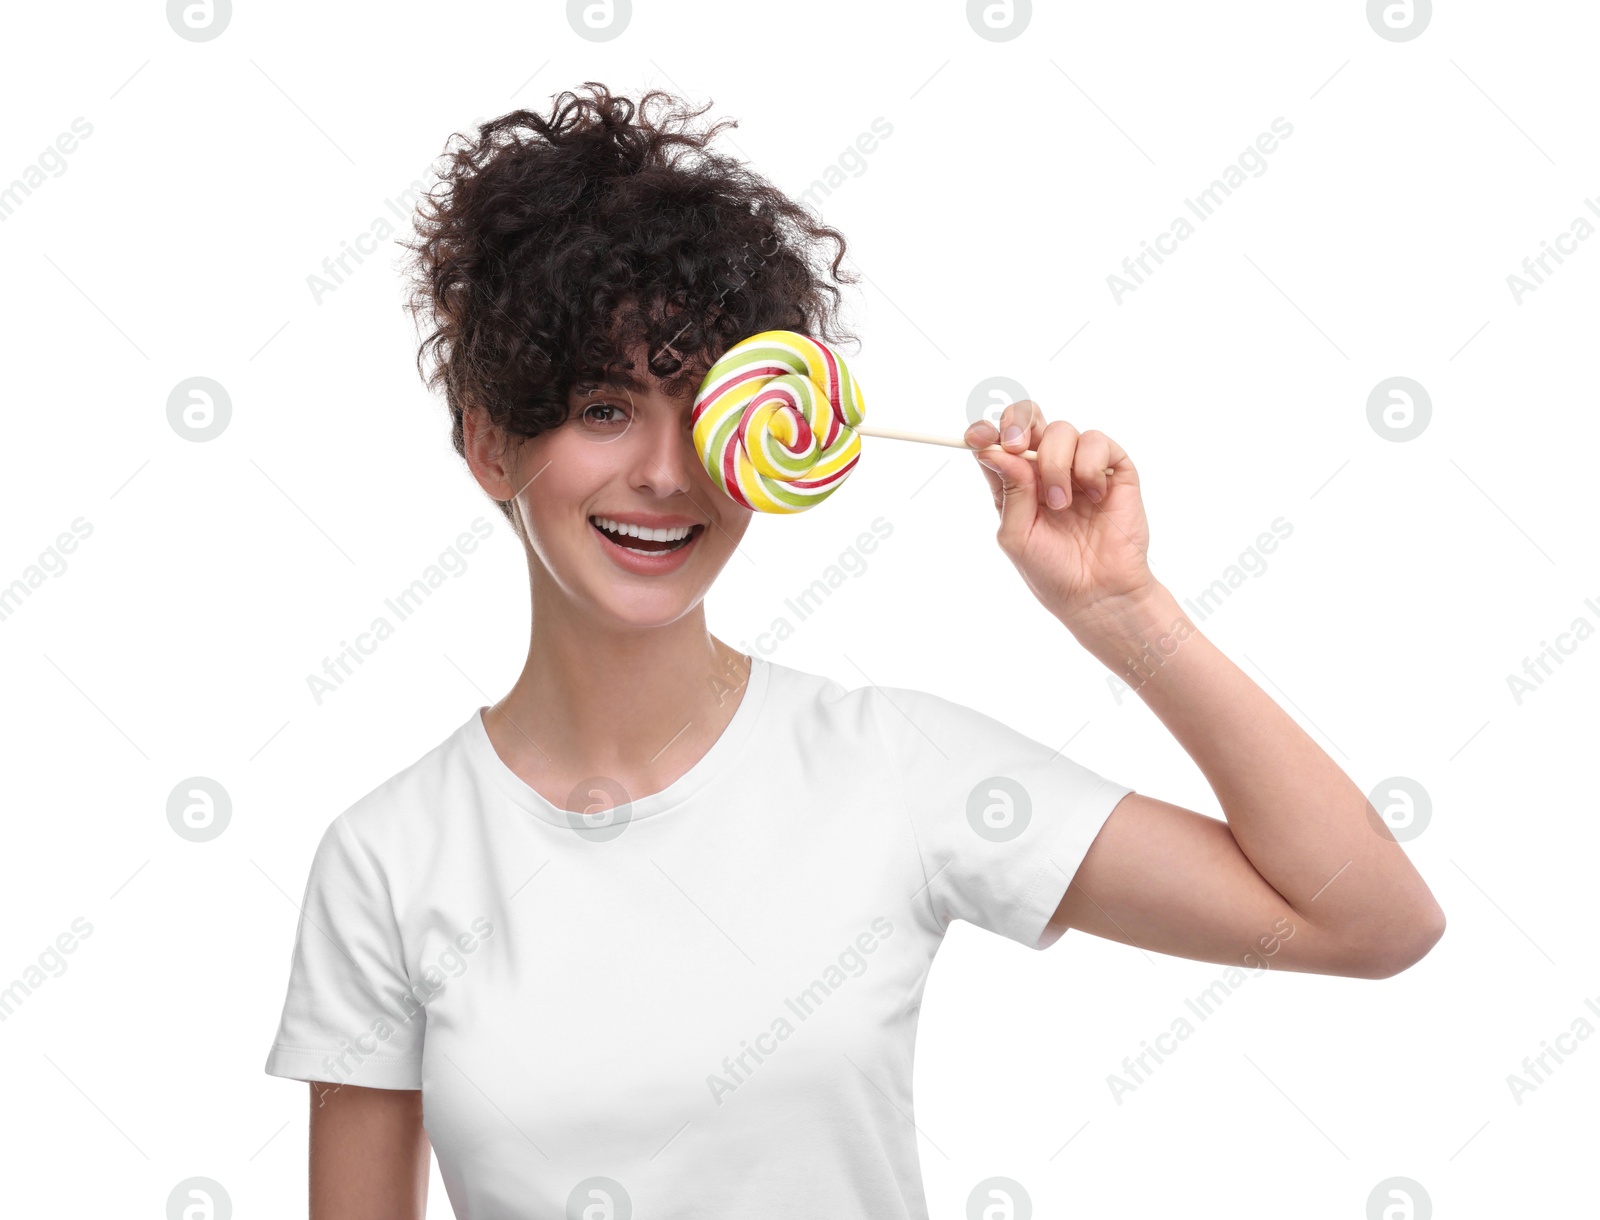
(578, 465)
(557, 477)
(735, 520)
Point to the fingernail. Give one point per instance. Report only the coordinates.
(1012, 433)
(1056, 496)
(1092, 494)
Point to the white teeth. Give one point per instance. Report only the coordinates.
(675, 534)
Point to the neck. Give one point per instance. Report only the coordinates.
(639, 705)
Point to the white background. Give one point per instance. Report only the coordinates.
(177, 642)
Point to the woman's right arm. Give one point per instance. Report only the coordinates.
(369, 1153)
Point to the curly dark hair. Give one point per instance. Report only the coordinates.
(551, 246)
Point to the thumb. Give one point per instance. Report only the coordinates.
(1018, 495)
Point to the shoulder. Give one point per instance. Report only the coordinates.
(893, 716)
(402, 817)
(927, 741)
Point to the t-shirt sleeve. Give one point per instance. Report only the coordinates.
(1002, 821)
(350, 1016)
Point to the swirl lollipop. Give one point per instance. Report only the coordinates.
(777, 422)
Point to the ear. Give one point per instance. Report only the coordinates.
(488, 454)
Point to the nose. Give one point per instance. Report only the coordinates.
(663, 454)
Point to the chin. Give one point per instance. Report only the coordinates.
(631, 608)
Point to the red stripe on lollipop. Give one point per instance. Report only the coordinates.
(764, 372)
(781, 395)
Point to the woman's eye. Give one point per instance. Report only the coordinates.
(602, 414)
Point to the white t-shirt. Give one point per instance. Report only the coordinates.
(704, 1005)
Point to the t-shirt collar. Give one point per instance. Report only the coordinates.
(718, 759)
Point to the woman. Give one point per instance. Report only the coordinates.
(651, 931)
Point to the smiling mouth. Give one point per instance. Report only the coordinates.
(648, 546)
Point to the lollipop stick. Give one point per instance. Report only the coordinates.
(895, 434)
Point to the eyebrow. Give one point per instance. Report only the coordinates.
(620, 379)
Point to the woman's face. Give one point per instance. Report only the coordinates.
(626, 457)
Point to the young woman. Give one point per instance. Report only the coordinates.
(650, 932)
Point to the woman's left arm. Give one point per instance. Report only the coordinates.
(1303, 875)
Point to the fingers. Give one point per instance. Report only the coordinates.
(1056, 445)
(1097, 454)
(1056, 449)
(1021, 426)
(1011, 479)
(981, 433)
(979, 436)
(1068, 462)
